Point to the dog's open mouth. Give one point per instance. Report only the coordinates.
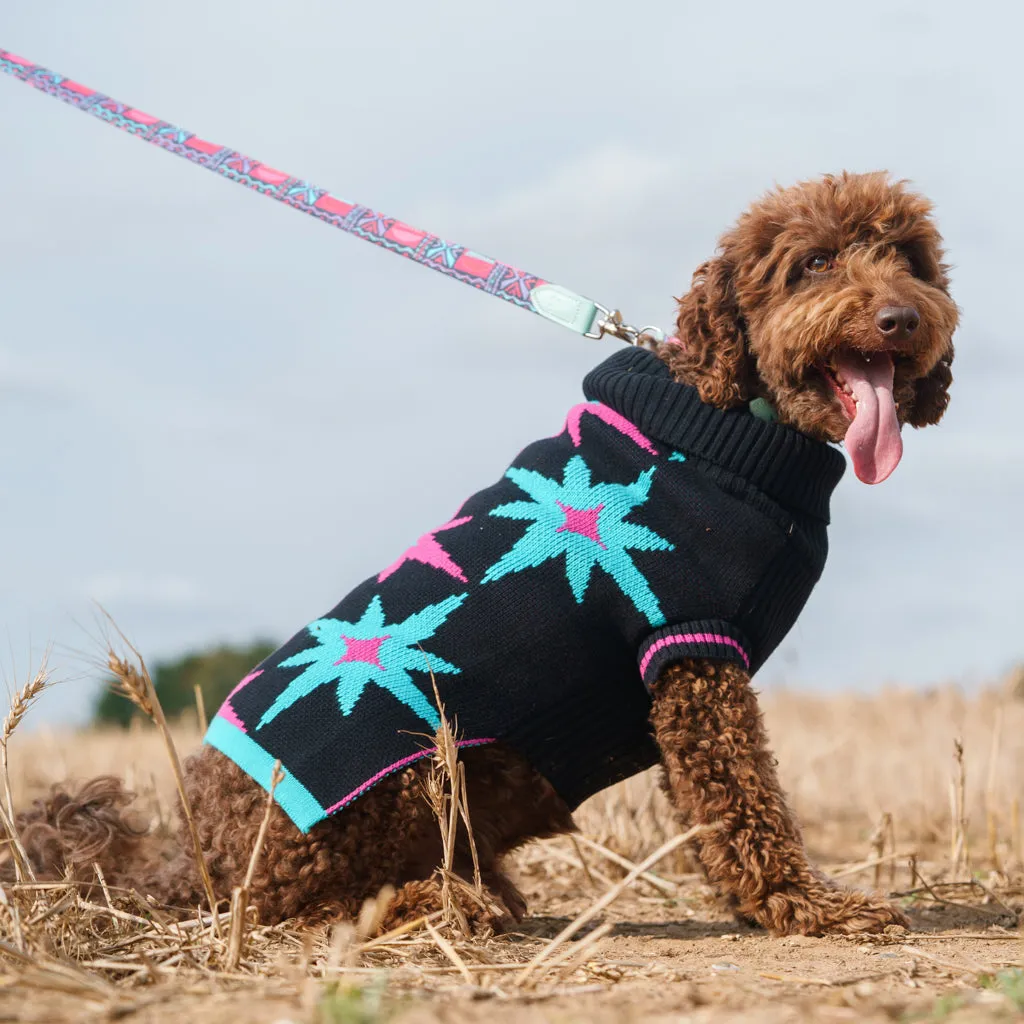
(862, 383)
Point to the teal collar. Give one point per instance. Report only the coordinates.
(763, 410)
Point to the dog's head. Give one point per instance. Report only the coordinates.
(830, 300)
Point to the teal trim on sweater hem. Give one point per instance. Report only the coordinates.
(291, 795)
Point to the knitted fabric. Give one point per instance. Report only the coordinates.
(651, 528)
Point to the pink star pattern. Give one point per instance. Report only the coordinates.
(428, 551)
(582, 521)
(611, 417)
(365, 651)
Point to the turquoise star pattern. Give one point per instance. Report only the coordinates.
(586, 524)
(369, 651)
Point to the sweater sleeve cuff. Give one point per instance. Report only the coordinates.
(706, 638)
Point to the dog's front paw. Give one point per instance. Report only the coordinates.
(828, 911)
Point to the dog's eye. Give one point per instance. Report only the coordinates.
(921, 264)
(818, 264)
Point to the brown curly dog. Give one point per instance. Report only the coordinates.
(829, 300)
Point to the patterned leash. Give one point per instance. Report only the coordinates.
(528, 291)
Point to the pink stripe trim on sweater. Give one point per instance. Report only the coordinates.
(394, 768)
(691, 638)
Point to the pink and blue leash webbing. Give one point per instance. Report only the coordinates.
(523, 289)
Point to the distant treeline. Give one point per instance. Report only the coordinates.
(215, 672)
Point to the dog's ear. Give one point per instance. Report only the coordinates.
(712, 353)
(931, 393)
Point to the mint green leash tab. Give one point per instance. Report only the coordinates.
(565, 307)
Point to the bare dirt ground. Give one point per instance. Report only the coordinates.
(885, 799)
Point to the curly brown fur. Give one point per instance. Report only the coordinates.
(801, 278)
(387, 837)
(760, 322)
(69, 832)
(718, 768)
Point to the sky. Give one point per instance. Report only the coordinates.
(216, 415)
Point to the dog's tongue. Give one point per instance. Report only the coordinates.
(873, 438)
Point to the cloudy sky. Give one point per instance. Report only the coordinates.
(217, 415)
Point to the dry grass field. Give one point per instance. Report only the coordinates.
(917, 793)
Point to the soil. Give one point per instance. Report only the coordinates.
(667, 960)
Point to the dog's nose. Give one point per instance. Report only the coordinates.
(896, 323)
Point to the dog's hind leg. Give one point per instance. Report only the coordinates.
(720, 771)
(387, 837)
(510, 803)
(324, 874)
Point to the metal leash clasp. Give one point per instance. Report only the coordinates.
(610, 322)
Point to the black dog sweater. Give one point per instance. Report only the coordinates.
(651, 528)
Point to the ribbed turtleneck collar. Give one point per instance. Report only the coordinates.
(794, 470)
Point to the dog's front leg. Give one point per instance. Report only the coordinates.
(719, 770)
